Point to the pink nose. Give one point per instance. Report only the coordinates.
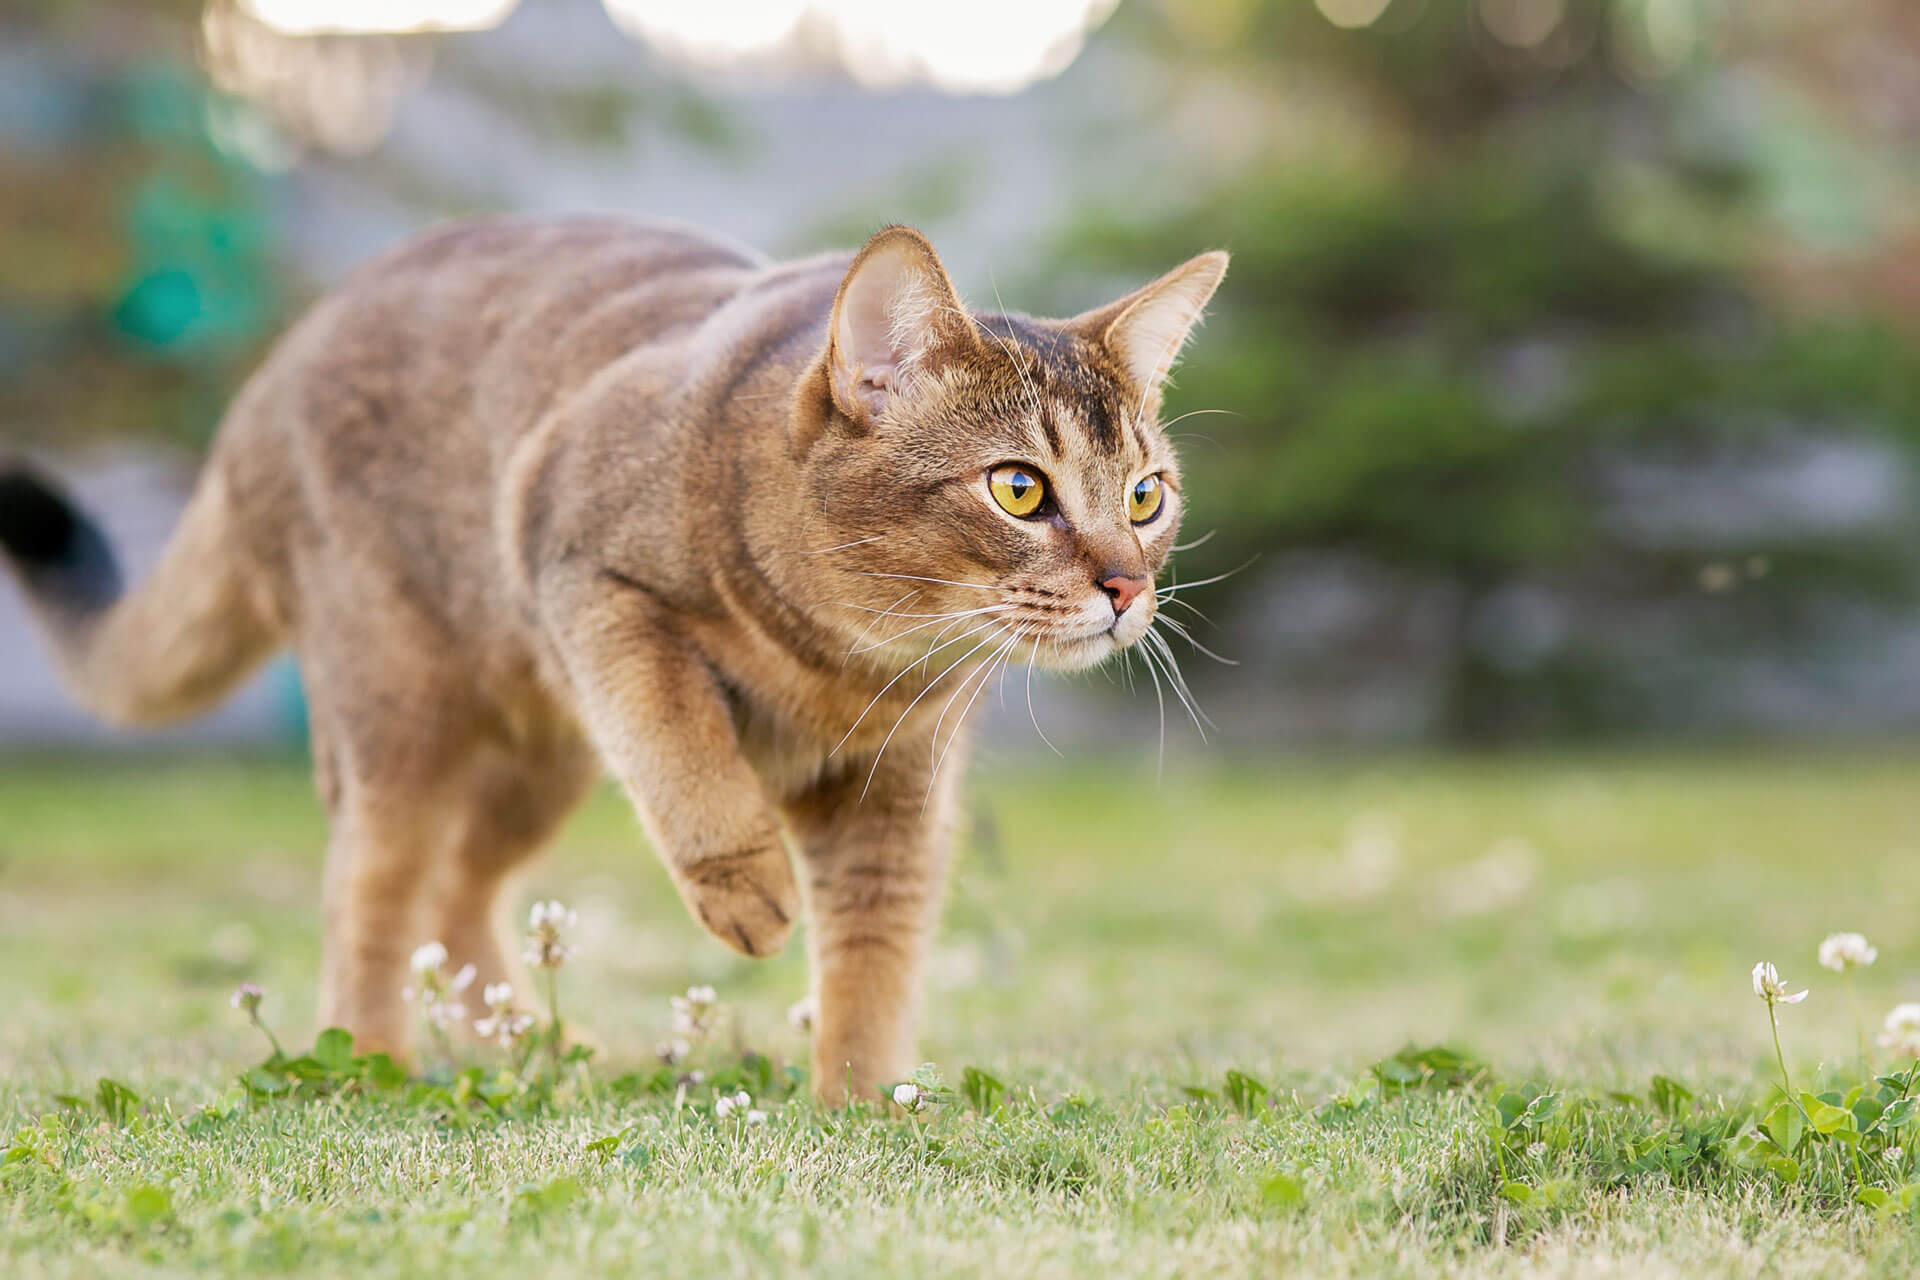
(1122, 590)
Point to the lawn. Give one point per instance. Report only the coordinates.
(1569, 927)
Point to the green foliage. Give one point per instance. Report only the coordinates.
(1498, 278)
(1435, 1067)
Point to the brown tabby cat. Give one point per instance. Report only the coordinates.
(528, 498)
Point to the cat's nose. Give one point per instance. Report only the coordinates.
(1121, 589)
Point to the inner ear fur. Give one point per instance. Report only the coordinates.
(1146, 330)
(895, 317)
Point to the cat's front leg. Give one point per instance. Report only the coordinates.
(876, 871)
(660, 719)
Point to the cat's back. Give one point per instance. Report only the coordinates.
(384, 417)
(491, 321)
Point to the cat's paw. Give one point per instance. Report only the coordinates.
(749, 900)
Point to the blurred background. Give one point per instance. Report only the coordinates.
(1565, 386)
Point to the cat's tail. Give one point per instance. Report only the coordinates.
(167, 649)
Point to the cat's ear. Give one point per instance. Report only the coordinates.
(1146, 329)
(895, 317)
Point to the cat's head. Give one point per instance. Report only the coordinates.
(992, 484)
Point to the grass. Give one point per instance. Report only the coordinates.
(1574, 927)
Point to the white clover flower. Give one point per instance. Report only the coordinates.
(1843, 951)
(246, 997)
(443, 1014)
(434, 989)
(545, 949)
(723, 1107)
(909, 1096)
(742, 1099)
(1901, 1031)
(504, 1024)
(694, 1014)
(1768, 986)
(428, 957)
(673, 1051)
(755, 1118)
(801, 1013)
(1896, 1154)
(1537, 1150)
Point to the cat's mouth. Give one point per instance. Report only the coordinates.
(1090, 648)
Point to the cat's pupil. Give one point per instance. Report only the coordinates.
(1019, 484)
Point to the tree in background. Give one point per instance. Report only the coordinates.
(1502, 264)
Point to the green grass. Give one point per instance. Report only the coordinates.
(1576, 924)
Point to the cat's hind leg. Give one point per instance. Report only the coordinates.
(510, 802)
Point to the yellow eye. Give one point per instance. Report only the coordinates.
(1144, 499)
(1017, 489)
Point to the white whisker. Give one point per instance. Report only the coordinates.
(1030, 714)
(896, 679)
(1200, 541)
(978, 645)
(1203, 582)
(949, 582)
(843, 546)
(1156, 646)
(1193, 609)
(875, 621)
(986, 673)
(1195, 413)
(1179, 629)
(1160, 701)
(1019, 367)
(934, 620)
(889, 613)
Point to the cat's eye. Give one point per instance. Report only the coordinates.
(1145, 499)
(1019, 490)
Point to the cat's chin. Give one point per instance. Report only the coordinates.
(1077, 653)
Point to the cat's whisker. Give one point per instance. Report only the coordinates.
(987, 672)
(949, 582)
(1204, 582)
(896, 679)
(1180, 629)
(934, 620)
(926, 658)
(1191, 608)
(1154, 646)
(878, 755)
(1200, 541)
(874, 622)
(889, 612)
(1019, 367)
(1031, 657)
(1195, 413)
(1160, 701)
(861, 542)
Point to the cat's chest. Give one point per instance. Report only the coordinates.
(787, 761)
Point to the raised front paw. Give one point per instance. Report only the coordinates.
(748, 899)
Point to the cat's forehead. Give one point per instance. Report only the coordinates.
(1070, 392)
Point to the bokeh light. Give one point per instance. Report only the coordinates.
(378, 17)
(1352, 13)
(986, 46)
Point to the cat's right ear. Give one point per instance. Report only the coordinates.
(895, 317)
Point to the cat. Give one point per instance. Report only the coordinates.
(530, 499)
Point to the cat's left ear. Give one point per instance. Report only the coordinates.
(1146, 329)
(895, 317)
